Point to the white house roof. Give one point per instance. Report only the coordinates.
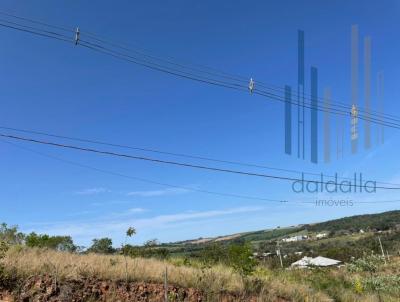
(317, 261)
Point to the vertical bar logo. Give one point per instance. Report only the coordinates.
(347, 117)
(354, 77)
(367, 87)
(288, 120)
(300, 95)
(314, 115)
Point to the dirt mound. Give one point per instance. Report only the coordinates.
(46, 288)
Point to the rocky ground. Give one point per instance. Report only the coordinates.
(46, 288)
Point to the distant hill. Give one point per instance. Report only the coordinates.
(342, 239)
(368, 222)
(382, 221)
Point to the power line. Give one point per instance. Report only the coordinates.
(269, 95)
(156, 151)
(50, 34)
(155, 160)
(35, 33)
(98, 38)
(161, 68)
(169, 60)
(228, 76)
(187, 165)
(36, 22)
(213, 71)
(174, 186)
(143, 179)
(35, 29)
(187, 75)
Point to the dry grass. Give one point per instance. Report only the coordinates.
(266, 285)
(24, 262)
(27, 262)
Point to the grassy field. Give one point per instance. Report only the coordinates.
(349, 283)
(216, 269)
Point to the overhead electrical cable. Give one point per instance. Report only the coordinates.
(236, 87)
(38, 33)
(85, 166)
(238, 84)
(98, 38)
(157, 151)
(182, 164)
(269, 95)
(215, 82)
(213, 71)
(161, 68)
(36, 22)
(52, 33)
(174, 186)
(241, 79)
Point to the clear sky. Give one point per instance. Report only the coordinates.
(54, 87)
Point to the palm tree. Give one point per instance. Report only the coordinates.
(129, 233)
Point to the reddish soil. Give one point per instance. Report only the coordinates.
(45, 288)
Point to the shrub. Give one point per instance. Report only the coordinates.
(240, 258)
(3, 249)
(369, 264)
(358, 287)
(214, 253)
(146, 251)
(390, 284)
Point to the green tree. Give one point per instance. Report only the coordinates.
(151, 243)
(10, 235)
(101, 246)
(129, 233)
(60, 243)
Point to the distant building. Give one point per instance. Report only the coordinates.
(317, 261)
(321, 235)
(295, 238)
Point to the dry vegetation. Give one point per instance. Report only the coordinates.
(25, 262)
(262, 285)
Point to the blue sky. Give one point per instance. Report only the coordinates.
(59, 88)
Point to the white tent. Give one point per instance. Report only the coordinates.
(317, 261)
